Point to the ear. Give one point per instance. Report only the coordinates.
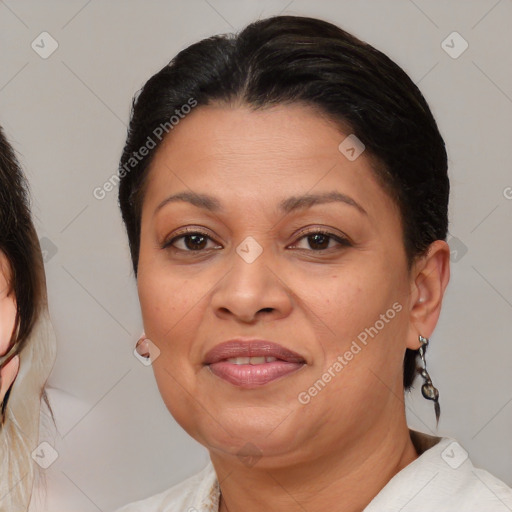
(7, 319)
(429, 278)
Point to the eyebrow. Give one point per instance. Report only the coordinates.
(308, 200)
(204, 201)
(288, 205)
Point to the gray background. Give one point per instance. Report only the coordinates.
(66, 116)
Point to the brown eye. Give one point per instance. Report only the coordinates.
(318, 241)
(193, 241)
(321, 241)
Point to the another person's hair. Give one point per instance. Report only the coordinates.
(299, 60)
(32, 334)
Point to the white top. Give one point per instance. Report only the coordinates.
(441, 479)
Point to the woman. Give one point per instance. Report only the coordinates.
(27, 343)
(285, 194)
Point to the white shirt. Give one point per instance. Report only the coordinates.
(441, 479)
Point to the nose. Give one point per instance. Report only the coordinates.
(251, 291)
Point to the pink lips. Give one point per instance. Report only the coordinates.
(261, 362)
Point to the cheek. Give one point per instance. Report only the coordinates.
(168, 314)
(7, 319)
(172, 311)
(176, 387)
(362, 311)
(165, 300)
(350, 301)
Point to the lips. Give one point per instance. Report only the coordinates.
(252, 363)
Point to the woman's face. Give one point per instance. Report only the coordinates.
(7, 320)
(253, 268)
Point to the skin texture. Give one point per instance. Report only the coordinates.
(7, 318)
(351, 438)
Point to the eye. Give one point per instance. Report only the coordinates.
(319, 240)
(190, 241)
(195, 240)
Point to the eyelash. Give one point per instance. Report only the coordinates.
(342, 241)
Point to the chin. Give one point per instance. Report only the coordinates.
(249, 435)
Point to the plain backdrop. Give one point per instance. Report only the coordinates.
(66, 116)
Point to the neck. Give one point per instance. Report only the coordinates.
(346, 479)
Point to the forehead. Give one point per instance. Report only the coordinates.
(220, 131)
(267, 154)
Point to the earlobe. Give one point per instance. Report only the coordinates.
(431, 277)
(142, 346)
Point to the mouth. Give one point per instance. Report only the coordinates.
(252, 363)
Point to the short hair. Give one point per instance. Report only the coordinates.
(289, 60)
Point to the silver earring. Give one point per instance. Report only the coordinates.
(428, 390)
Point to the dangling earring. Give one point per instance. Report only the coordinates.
(428, 390)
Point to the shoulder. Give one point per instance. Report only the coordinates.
(198, 493)
(444, 479)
